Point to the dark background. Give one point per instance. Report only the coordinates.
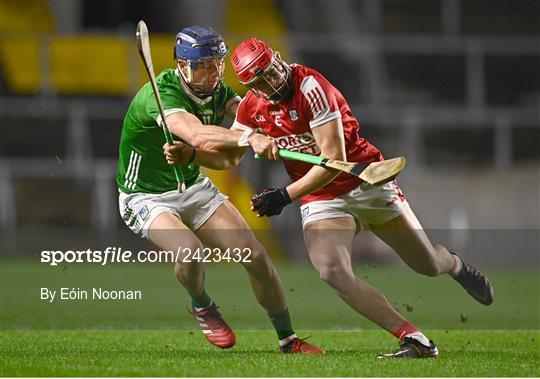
(452, 85)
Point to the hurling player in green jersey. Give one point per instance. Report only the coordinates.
(195, 100)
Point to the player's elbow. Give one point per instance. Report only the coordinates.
(235, 160)
(333, 152)
(221, 165)
(229, 163)
(234, 157)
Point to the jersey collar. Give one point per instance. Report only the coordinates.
(190, 93)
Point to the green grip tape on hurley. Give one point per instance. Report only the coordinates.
(286, 154)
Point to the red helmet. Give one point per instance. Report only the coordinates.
(261, 69)
(249, 58)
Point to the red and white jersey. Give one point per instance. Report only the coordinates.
(314, 102)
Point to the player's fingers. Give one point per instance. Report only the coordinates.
(268, 152)
(275, 152)
(178, 146)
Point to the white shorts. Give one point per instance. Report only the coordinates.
(366, 204)
(194, 206)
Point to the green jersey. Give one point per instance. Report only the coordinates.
(142, 166)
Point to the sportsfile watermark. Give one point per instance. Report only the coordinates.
(118, 255)
(69, 280)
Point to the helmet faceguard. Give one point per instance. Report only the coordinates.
(200, 53)
(262, 70)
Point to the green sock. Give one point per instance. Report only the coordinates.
(282, 324)
(201, 301)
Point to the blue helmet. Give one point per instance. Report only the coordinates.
(195, 43)
(200, 45)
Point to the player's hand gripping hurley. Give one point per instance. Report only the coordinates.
(375, 173)
(143, 45)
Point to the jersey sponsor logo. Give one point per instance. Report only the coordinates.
(303, 143)
(132, 173)
(276, 113)
(293, 114)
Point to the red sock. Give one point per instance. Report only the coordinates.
(404, 329)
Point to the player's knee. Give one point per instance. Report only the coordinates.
(252, 252)
(186, 261)
(333, 274)
(254, 256)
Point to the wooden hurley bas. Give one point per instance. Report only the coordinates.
(375, 173)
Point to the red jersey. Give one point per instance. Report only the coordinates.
(314, 102)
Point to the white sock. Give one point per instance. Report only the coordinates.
(285, 341)
(420, 337)
(457, 265)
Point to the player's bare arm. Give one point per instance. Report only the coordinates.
(211, 137)
(330, 139)
(181, 153)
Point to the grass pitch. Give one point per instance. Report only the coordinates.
(185, 353)
(156, 337)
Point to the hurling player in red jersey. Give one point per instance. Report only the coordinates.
(297, 107)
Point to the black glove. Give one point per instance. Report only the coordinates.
(271, 201)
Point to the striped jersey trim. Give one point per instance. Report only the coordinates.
(237, 125)
(132, 172)
(327, 117)
(167, 113)
(318, 102)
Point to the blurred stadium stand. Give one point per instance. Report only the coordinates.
(452, 84)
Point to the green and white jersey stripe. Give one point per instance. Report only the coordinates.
(133, 170)
(141, 165)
